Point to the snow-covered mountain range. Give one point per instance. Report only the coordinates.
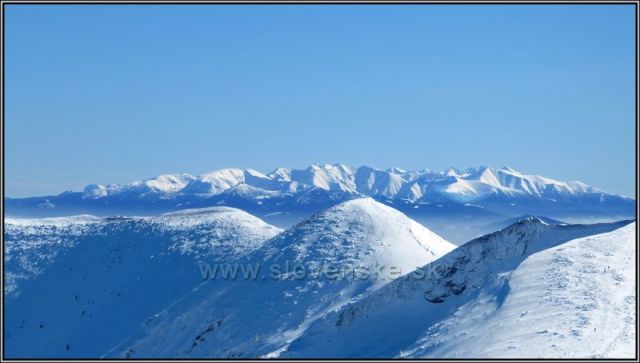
(133, 287)
(469, 185)
(283, 197)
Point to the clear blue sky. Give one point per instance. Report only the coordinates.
(112, 94)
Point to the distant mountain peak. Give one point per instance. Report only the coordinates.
(533, 219)
(394, 182)
(396, 170)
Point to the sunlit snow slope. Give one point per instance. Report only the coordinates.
(531, 290)
(254, 318)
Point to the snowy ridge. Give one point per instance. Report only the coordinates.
(581, 305)
(106, 277)
(16, 223)
(32, 244)
(229, 232)
(214, 322)
(528, 282)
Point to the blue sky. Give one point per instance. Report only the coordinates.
(112, 94)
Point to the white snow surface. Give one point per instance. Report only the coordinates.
(80, 220)
(254, 318)
(531, 290)
(131, 287)
(31, 244)
(459, 185)
(576, 300)
(76, 286)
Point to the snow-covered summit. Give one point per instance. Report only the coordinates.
(213, 216)
(359, 234)
(360, 231)
(169, 183)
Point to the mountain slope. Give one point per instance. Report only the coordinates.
(258, 317)
(530, 290)
(74, 286)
